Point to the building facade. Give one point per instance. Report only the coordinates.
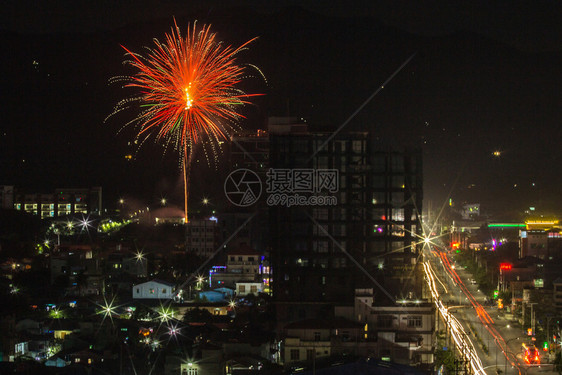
(243, 265)
(61, 202)
(321, 253)
(404, 331)
(6, 196)
(154, 289)
(202, 237)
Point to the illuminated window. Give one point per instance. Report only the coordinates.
(357, 146)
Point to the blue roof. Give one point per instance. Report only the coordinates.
(224, 290)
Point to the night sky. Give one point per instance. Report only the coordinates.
(484, 78)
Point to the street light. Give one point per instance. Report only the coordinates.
(506, 352)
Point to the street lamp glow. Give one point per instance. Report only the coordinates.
(165, 314)
(108, 309)
(163, 201)
(139, 255)
(232, 304)
(205, 201)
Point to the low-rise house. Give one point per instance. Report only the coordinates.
(217, 295)
(207, 359)
(309, 340)
(243, 265)
(85, 357)
(154, 289)
(56, 361)
(245, 288)
(404, 332)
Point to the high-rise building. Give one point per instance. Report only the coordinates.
(250, 150)
(321, 251)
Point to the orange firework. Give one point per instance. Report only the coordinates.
(188, 93)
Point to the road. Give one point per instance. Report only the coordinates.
(489, 341)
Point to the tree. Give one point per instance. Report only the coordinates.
(198, 315)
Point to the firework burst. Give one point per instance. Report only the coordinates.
(188, 93)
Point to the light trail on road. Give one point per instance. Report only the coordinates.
(481, 313)
(461, 339)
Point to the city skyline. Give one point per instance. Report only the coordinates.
(472, 89)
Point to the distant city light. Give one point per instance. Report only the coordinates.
(497, 153)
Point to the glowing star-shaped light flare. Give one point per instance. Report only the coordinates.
(139, 256)
(232, 304)
(55, 313)
(173, 330)
(85, 223)
(165, 314)
(108, 309)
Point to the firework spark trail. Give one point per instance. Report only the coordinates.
(188, 93)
